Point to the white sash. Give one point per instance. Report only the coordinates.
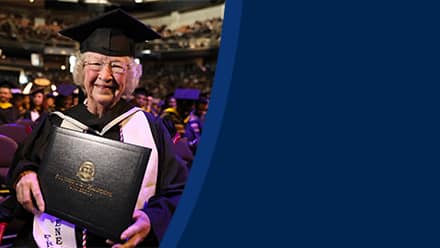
(136, 132)
(49, 231)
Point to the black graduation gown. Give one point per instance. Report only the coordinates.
(171, 173)
(9, 115)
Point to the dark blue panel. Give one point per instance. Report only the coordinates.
(207, 146)
(330, 131)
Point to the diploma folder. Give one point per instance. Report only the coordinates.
(91, 181)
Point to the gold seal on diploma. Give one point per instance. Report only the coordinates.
(86, 171)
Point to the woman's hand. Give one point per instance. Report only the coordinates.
(137, 232)
(28, 188)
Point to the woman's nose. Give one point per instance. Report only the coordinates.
(105, 74)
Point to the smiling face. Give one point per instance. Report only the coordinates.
(140, 100)
(5, 94)
(105, 78)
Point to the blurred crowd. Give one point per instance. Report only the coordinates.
(44, 30)
(182, 112)
(165, 77)
(200, 34)
(160, 78)
(17, 27)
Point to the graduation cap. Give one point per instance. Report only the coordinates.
(186, 94)
(114, 33)
(66, 89)
(6, 84)
(50, 95)
(43, 82)
(37, 90)
(14, 89)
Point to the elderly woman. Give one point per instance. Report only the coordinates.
(106, 71)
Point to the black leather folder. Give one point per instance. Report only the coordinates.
(91, 181)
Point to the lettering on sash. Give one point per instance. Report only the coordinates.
(48, 242)
(58, 238)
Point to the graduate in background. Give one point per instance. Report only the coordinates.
(106, 71)
(140, 98)
(50, 102)
(181, 121)
(37, 106)
(143, 99)
(8, 112)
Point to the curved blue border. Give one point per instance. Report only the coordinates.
(222, 81)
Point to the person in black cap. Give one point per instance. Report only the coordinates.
(8, 112)
(37, 107)
(106, 71)
(141, 98)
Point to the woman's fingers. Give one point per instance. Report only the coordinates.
(28, 189)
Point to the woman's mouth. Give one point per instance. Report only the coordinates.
(106, 86)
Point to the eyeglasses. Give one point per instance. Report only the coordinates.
(116, 66)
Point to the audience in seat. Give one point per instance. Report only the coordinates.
(14, 131)
(7, 147)
(8, 112)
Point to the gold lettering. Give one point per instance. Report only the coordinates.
(83, 188)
